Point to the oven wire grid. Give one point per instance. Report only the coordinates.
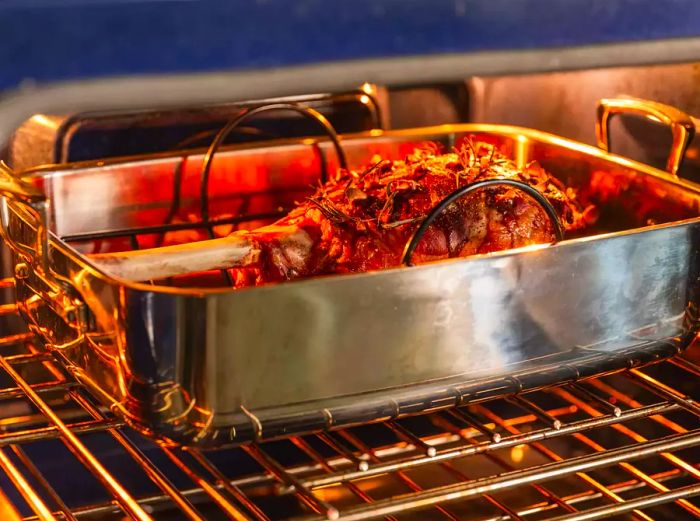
(626, 445)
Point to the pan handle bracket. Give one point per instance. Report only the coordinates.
(33, 199)
(34, 270)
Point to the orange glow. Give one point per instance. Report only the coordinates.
(45, 121)
(638, 438)
(8, 309)
(332, 494)
(28, 493)
(520, 152)
(126, 501)
(517, 453)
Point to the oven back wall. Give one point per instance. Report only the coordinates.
(564, 103)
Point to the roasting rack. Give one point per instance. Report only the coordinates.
(551, 213)
(624, 443)
(125, 133)
(207, 222)
(328, 130)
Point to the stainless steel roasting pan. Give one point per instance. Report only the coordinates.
(212, 366)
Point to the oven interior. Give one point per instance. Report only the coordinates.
(620, 445)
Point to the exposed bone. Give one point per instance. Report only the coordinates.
(236, 250)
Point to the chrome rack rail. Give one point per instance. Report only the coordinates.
(624, 443)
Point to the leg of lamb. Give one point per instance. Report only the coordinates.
(361, 221)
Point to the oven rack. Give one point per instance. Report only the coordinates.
(626, 443)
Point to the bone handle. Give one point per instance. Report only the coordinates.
(288, 244)
(169, 261)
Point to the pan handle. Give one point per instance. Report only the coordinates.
(682, 125)
(49, 286)
(35, 201)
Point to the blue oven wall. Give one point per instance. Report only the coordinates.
(52, 40)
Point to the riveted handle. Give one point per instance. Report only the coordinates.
(35, 201)
(33, 271)
(682, 125)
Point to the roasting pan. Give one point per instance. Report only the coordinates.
(212, 366)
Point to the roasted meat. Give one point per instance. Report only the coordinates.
(361, 221)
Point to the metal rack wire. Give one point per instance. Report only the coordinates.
(620, 444)
(207, 223)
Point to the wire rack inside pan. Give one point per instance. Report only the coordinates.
(622, 444)
(207, 224)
